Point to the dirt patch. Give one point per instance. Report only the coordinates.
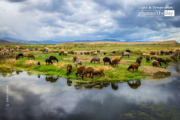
(58, 65)
(68, 59)
(124, 62)
(155, 71)
(10, 62)
(30, 62)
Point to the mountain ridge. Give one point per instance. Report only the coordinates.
(13, 40)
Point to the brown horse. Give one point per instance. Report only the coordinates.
(30, 56)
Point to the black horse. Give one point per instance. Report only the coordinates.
(161, 60)
(53, 58)
(20, 55)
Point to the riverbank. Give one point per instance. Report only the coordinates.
(59, 68)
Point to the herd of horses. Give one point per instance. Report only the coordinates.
(83, 71)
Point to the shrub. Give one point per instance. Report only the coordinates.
(7, 45)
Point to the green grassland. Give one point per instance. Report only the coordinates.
(111, 73)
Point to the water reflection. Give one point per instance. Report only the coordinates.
(30, 73)
(99, 86)
(176, 67)
(6, 72)
(51, 79)
(18, 71)
(134, 84)
(69, 82)
(90, 85)
(32, 97)
(114, 86)
(39, 76)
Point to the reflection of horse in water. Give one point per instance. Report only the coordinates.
(39, 75)
(99, 86)
(78, 86)
(134, 84)
(51, 79)
(114, 86)
(106, 84)
(17, 72)
(69, 82)
(89, 86)
(30, 73)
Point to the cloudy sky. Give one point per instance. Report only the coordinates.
(67, 20)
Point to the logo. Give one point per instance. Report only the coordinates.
(156, 11)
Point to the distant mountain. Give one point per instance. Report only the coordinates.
(3, 42)
(30, 41)
(60, 41)
(95, 40)
(166, 42)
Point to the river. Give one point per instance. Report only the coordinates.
(41, 97)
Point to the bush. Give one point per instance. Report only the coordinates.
(7, 45)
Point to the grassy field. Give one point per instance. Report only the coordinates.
(111, 73)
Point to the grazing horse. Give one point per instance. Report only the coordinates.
(78, 62)
(125, 54)
(161, 60)
(48, 61)
(156, 63)
(17, 57)
(162, 52)
(106, 59)
(30, 56)
(113, 52)
(98, 51)
(53, 58)
(69, 68)
(20, 55)
(95, 59)
(128, 51)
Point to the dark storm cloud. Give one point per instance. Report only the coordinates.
(91, 18)
(59, 6)
(131, 20)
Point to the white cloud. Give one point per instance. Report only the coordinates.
(80, 19)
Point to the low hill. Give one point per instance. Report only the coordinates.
(3, 42)
(167, 42)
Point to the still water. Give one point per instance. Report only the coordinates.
(24, 96)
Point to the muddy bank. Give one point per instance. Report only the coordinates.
(155, 72)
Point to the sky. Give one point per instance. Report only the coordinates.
(68, 20)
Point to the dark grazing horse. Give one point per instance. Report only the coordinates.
(48, 61)
(106, 59)
(20, 55)
(161, 60)
(69, 68)
(53, 58)
(17, 57)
